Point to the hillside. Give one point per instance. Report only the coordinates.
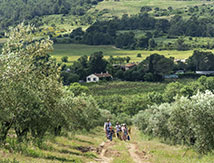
(70, 14)
(49, 114)
(16, 11)
(93, 147)
(132, 7)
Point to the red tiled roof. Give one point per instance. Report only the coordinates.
(103, 75)
(130, 65)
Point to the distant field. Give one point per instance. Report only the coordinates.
(2, 40)
(74, 51)
(133, 6)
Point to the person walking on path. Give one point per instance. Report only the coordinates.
(107, 126)
(118, 130)
(110, 132)
(125, 132)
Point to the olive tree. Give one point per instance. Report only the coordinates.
(30, 85)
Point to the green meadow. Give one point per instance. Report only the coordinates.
(118, 8)
(81, 148)
(74, 51)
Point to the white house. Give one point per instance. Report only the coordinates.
(204, 72)
(92, 78)
(180, 60)
(97, 77)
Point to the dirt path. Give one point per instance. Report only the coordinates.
(137, 155)
(106, 155)
(123, 151)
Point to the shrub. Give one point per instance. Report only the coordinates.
(78, 89)
(186, 121)
(124, 118)
(64, 59)
(139, 55)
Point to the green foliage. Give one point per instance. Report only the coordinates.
(96, 63)
(16, 11)
(125, 41)
(69, 78)
(9, 161)
(118, 60)
(123, 118)
(78, 89)
(125, 97)
(29, 77)
(180, 45)
(139, 55)
(64, 59)
(201, 61)
(133, 106)
(155, 97)
(171, 91)
(83, 113)
(33, 100)
(83, 67)
(184, 120)
(155, 66)
(106, 114)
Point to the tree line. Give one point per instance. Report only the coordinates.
(108, 32)
(153, 68)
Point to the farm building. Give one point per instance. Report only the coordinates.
(204, 72)
(180, 60)
(97, 77)
(129, 66)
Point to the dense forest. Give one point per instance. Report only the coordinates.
(16, 11)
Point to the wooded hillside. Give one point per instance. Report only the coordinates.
(15, 11)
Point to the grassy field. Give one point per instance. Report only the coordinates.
(60, 149)
(118, 8)
(74, 51)
(72, 148)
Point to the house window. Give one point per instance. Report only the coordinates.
(89, 79)
(95, 79)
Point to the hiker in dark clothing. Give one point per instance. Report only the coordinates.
(110, 132)
(107, 126)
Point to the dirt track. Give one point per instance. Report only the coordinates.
(107, 155)
(137, 155)
(127, 151)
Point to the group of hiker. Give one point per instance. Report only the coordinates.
(121, 131)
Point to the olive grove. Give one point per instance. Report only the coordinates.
(33, 100)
